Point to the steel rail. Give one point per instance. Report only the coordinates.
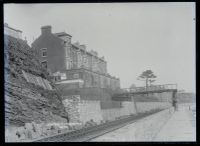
(88, 133)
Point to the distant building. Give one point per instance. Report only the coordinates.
(12, 32)
(72, 62)
(186, 97)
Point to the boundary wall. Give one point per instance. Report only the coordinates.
(90, 110)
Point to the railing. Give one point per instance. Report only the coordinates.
(152, 88)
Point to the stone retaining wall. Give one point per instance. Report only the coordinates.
(83, 110)
(127, 108)
(86, 110)
(144, 129)
(90, 110)
(147, 106)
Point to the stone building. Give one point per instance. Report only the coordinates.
(71, 63)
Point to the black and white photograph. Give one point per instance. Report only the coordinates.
(100, 72)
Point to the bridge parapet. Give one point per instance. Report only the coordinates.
(150, 89)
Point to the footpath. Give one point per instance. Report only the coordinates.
(180, 127)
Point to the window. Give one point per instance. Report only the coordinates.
(71, 64)
(64, 43)
(44, 52)
(44, 63)
(58, 78)
(76, 76)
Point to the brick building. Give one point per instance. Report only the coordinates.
(71, 63)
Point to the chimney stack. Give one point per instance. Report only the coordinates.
(83, 47)
(46, 29)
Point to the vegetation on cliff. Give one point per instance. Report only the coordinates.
(26, 102)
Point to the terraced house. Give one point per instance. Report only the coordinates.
(70, 63)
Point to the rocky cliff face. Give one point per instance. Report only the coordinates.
(26, 102)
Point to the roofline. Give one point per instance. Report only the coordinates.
(46, 26)
(12, 28)
(103, 74)
(77, 47)
(63, 34)
(89, 53)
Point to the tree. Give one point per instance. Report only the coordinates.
(151, 81)
(148, 77)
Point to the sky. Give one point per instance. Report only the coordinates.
(133, 37)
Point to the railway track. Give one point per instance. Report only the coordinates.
(88, 133)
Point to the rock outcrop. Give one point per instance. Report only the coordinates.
(24, 101)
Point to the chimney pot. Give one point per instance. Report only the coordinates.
(46, 29)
